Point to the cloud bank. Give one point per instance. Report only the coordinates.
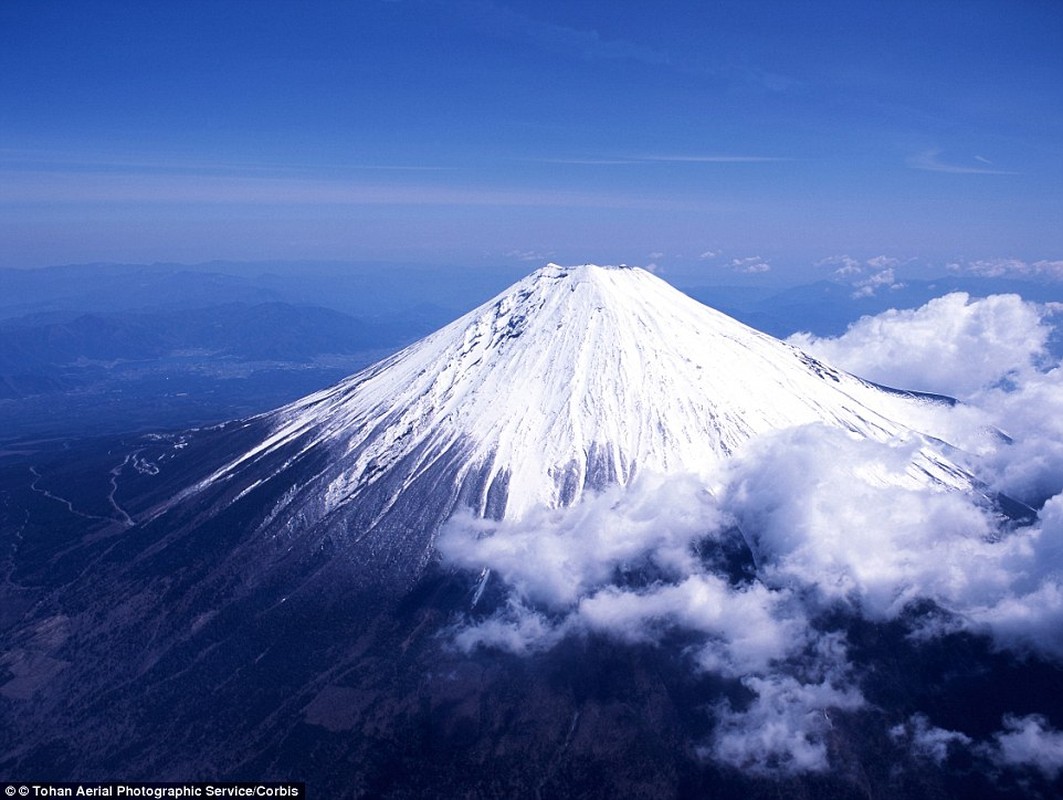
(1009, 268)
(930, 161)
(751, 561)
(990, 353)
(1029, 742)
(953, 345)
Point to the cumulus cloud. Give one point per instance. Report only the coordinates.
(844, 266)
(1010, 267)
(516, 629)
(953, 345)
(830, 521)
(784, 729)
(991, 353)
(632, 563)
(828, 511)
(745, 628)
(883, 262)
(818, 514)
(871, 284)
(866, 277)
(1029, 742)
(750, 562)
(1030, 466)
(929, 741)
(750, 266)
(639, 563)
(556, 556)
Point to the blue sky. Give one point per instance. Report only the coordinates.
(703, 137)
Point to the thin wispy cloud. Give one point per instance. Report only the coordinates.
(666, 159)
(79, 187)
(587, 44)
(1009, 267)
(530, 255)
(595, 162)
(930, 161)
(21, 158)
(713, 159)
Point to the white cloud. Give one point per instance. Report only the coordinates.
(820, 511)
(844, 266)
(990, 353)
(556, 556)
(1031, 413)
(1029, 742)
(883, 262)
(832, 523)
(952, 345)
(709, 254)
(818, 515)
(747, 627)
(530, 255)
(868, 286)
(1010, 267)
(930, 161)
(848, 269)
(624, 562)
(517, 629)
(1025, 742)
(929, 741)
(829, 523)
(750, 266)
(785, 728)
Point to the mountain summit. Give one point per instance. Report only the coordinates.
(572, 379)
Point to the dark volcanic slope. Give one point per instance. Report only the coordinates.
(164, 652)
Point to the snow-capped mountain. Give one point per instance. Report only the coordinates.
(572, 379)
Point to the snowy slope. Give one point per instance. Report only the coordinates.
(572, 379)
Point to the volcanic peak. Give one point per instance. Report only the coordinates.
(573, 379)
